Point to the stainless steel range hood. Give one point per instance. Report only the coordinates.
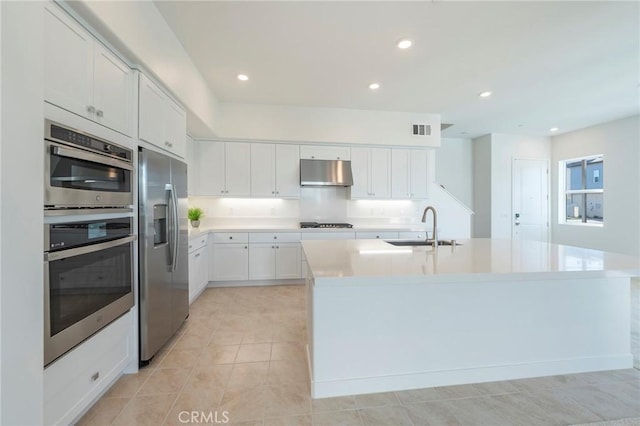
(325, 173)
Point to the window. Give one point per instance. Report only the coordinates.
(582, 190)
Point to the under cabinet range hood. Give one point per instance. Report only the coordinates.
(325, 173)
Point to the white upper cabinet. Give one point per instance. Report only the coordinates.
(162, 122)
(83, 77)
(192, 166)
(224, 169)
(275, 170)
(322, 152)
(409, 173)
(371, 172)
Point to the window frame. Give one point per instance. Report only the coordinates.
(563, 192)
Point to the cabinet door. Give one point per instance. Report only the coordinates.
(151, 113)
(360, 168)
(287, 171)
(68, 61)
(262, 261)
(322, 152)
(198, 273)
(237, 165)
(418, 173)
(230, 262)
(112, 91)
(263, 173)
(287, 261)
(175, 128)
(379, 173)
(211, 166)
(400, 173)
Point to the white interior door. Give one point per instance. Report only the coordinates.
(530, 185)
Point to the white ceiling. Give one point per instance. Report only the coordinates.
(565, 64)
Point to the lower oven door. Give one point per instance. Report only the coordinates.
(85, 289)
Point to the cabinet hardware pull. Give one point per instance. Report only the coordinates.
(99, 113)
(245, 247)
(91, 109)
(95, 376)
(197, 255)
(231, 238)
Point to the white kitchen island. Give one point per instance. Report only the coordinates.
(383, 318)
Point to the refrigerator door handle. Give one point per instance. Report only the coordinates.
(170, 227)
(176, 230)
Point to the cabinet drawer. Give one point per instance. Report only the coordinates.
(269, 237)
(386, 235)
(198, 242)
(73, 382)
(230, 237)
(412, 235)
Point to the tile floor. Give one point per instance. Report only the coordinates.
(240, 358)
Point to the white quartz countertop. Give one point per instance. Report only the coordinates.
(475, 259)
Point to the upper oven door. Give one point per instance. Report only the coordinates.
(78, 178)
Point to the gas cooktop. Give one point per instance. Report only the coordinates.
(325, 225)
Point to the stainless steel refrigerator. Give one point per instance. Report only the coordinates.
(163, 263)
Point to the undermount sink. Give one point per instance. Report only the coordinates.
(423, 243)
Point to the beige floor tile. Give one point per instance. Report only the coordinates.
(481, 411)
(208, 376)
(376, 399)
(192, 342)
(634, 421)
(162, 381)
(431, 413)
(254, 352)
(287, 399)
(203, 402)
(128, 385)
(395, 415)
(248, 374)
(218, 354)
(145, 410)
(281, 351)
(289, 421)
(258, 335)
(227, 338)
(288, 372)
(337, 403)
(457, 391)
(337, 418)
(496, 388)
(200, 326)
(103, 412)
(180, 358)
(611, 402)
(244, 404)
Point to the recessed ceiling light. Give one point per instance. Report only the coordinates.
(485, 94)
(374, 86)
(243, 77)
(404, 43)
(553, 129)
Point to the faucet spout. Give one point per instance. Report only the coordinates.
(435, 224)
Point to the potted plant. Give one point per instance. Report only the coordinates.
(194, 214)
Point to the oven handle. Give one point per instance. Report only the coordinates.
(88, 156)
(58, 255)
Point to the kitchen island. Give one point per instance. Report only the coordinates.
(383, 318)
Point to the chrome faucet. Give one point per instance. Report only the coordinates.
(435, 224)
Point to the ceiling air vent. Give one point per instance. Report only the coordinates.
(421, 130)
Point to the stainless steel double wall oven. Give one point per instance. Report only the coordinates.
(88, 236)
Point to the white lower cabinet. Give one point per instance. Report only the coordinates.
(412, 235)
(74, 381)
(198, 266)
(385, 235)
(274, 256)
(230, 257)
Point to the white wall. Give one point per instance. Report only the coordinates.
(314, 124)
(21, 218)
(619, 141)
(492, 190)
(454, 168)
(138, 31)
(481, 151)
